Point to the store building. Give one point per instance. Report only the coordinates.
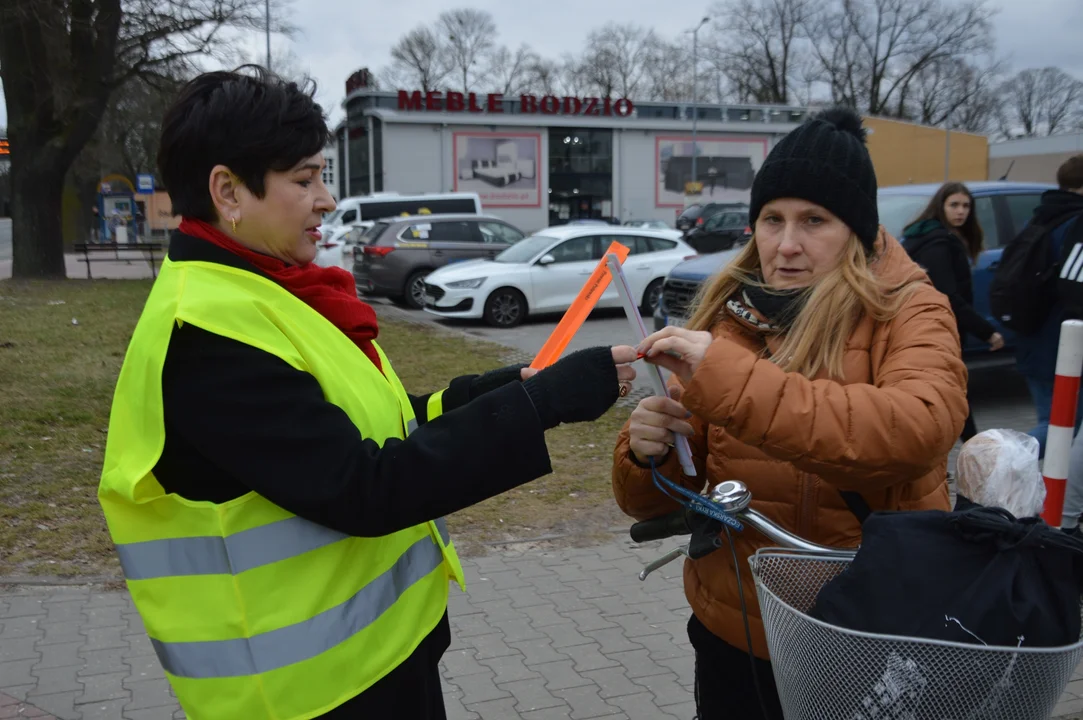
(543, 160)
(538, 161)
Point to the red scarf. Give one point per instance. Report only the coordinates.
(329, 291)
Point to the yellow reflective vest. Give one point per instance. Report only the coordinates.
(254, 612)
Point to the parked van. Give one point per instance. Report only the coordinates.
(352, 210)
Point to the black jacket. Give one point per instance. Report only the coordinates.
(238, 419)
(944, 257)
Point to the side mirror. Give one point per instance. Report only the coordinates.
(546, 259)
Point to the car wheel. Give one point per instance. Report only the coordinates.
(505, 308)
(414, 295)
(651, 297)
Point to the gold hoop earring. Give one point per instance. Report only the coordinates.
(233, 221)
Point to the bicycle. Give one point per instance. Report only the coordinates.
(826, 672)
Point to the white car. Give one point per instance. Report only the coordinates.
(651, 224)
(335, 248)
(545, 272)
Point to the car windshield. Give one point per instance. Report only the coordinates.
(332, 219)
(898, 211)
(525, 250)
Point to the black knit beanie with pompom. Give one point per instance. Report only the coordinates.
(824, 161)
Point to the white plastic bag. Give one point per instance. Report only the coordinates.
(999, 468)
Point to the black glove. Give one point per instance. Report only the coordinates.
(493, 379)
(577, 388)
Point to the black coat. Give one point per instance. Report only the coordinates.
(944, 257)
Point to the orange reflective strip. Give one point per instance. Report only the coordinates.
(584, 302)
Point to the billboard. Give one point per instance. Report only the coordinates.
(725, 165)
(504, 169)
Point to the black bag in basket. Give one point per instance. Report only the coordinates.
(975, 575)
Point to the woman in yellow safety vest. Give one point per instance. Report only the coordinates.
(275, 495)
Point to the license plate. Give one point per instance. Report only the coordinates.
(675, 321)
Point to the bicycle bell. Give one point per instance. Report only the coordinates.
(732, 495)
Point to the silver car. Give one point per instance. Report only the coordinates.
(395, 254)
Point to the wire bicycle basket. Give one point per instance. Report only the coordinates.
(824, 672)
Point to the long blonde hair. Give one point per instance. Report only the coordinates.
(833, 307)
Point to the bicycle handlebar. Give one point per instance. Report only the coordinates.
(661, 527)
(734, 498)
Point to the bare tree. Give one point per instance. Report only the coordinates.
(1040, 102)
(616, 58)
(983, 103)
(511, 73)
(132, 126)
(419, 59)
(954, 92)
(469, 36)
(871, 50)
(60, 63)
(543, 76)
(759, 43)
(575, 77)
(668, 70)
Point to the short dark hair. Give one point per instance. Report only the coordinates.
(249, 120)
(970, 231)
(1070, 173)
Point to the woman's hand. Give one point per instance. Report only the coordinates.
(653, 425)
(678, 350)
(996, 342)
(622, 356)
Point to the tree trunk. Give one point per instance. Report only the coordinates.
(36, 191)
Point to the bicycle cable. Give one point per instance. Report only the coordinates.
(748, 630)
(697, 503)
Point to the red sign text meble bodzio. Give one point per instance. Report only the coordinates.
(528, 104)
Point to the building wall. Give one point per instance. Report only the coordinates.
(905, 153)
(635, 176)
(1033, 159)
(420, 159)
(331, 169)
(640, 191)
(1028, 168)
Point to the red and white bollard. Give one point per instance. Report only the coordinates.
(1058, 444)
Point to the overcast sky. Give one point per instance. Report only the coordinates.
(339, 36)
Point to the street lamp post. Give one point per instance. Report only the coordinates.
(267, 18)
(695, 90)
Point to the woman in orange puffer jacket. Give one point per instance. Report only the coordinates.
(820, 359)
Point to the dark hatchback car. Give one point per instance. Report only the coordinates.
(721, 232)
(699, 213)
(1003, 208)
(396, 254)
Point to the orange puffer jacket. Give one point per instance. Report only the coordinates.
(884, 430)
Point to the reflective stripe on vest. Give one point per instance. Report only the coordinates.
(301, 641)
(214, 555)
(435, 406)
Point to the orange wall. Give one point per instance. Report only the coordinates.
(905, 153)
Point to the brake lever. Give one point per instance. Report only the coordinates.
(706, 538)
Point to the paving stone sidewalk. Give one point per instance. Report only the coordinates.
(541, 635)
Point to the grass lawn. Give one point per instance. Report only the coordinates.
(61, 347)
